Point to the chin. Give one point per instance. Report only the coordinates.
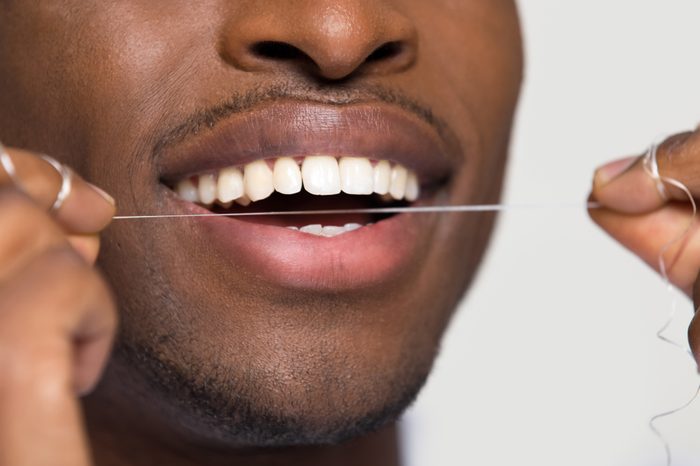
(305, 400)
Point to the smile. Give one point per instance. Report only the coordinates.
(317, 175)
(304, 157)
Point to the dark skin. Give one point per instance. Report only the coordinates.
(116, 77)
(213, 365)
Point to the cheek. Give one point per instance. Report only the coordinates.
(474, 50)
(472, 64)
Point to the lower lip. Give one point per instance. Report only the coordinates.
(363, 258)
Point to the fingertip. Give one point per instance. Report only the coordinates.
(88, 209)
(625, 186)
(610, 171)
(107, 197)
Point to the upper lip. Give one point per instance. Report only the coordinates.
(297, 128)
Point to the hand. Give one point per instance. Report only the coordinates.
(637, 215)
(57, 317)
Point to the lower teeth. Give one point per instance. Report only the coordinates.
(329, 231)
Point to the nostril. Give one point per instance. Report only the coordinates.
(277, 51)
(386, 51)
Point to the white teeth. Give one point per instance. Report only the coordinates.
(257, 180)
(321, 175)
(187, 191)
(382, 177)
(399, 176)
(287, 176)
(412, 187)
(356, 175)
(207, 189)
(312, 229)
(230, 184)
(329, 231)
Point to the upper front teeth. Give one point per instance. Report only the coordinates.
(356, 175)
(320, 175)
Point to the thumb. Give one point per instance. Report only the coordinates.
(628, 187)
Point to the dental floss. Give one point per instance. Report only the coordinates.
(378, 210)
(650, 164)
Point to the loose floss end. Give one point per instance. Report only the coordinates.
(651, 166)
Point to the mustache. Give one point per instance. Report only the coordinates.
(336, 96)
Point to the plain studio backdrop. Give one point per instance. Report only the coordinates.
(552, 359)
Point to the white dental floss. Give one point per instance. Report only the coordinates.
(378, 210)
(652, 168)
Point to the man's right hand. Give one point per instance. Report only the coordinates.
(57, 316)
(649, 222)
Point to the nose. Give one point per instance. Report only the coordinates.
(331, 39)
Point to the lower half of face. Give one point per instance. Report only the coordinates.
(281, 330)
(247, 349)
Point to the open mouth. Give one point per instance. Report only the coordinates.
(311, 183)
(305, 156)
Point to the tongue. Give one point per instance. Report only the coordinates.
(307, 202)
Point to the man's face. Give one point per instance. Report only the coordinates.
(241, 329)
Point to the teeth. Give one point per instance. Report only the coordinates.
(356, 175)
(312, 229)
(287, 176)
(329, 231)
(321, 175)
(207, 189)
(230, 184)
(412, 187)
(257, 180)
(382, 177)
(187, 190)
(399, 176)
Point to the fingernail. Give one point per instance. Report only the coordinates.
(102, 193)
(612, 170)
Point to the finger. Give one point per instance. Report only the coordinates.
(41, 424)
(61, 303)
(27, 230)
(56, 325)
(665, 231)
(627, 186)
(88, 246)
(87, 209)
